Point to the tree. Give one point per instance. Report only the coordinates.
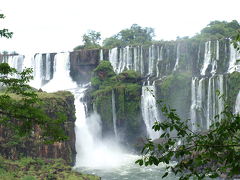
(236, 41)
(219, 29)
(5, 32)
(21, 110)
(135, 35)
(197, 154)
(90, 40)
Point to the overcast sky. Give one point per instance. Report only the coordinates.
(58, 25)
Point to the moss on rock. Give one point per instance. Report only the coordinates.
(127, 89)
(32, 169)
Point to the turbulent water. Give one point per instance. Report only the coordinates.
(129, 171)
(150, 110)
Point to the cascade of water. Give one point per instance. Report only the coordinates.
(48, 67)
(213, 99)
(217, 51)
(193, 104)
(141, 61)
(92, 151)
(101, 55)
(128, 58)
(177, 59)
(114, 114)
(61, 77)
(16, 62)
(237, 104)
(136, 59)
(122, 62)
(28, 61)
(150, 112)
(209, 103)
(219, 99)
(151, 58)
(207, 57)
(214, 61)
(199, 103)
(125, 59)
(160, 58)
(37, 64)
(113, 58)
(234, 55)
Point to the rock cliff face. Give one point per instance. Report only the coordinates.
(33, 146)
(82, 64)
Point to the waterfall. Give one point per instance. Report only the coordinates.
(15, 62)
(136, 59)
(113, 58)
(37, 64)
(141, 61)
(124, 61)
(207, 58)
(28, 61)
(114, 114)
(128, 58)
(151, 59)
(234, 55)
(101, 55)
(150, 112)
(177, 59)
(220, 99)
(160, 58)
(199, 103)
(209, 103)
(217, 51)
(92, 151)
(48, 67)
(237, 104)
(193, 104)
(61, 76)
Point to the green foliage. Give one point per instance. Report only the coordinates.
(236, 41)
(200, 154)
(103, 75)
(219, 30)
(22, 110)
(135, 35)
(105, 68)
(233, 81)
(33, 169)
(90, 40)
(127, 96)
(129, 76)
(5, 32)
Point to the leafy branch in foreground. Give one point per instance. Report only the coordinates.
(21, 110)
(236, 41)
(5, 32)
(214, 153)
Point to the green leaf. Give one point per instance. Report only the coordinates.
(165, 175)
